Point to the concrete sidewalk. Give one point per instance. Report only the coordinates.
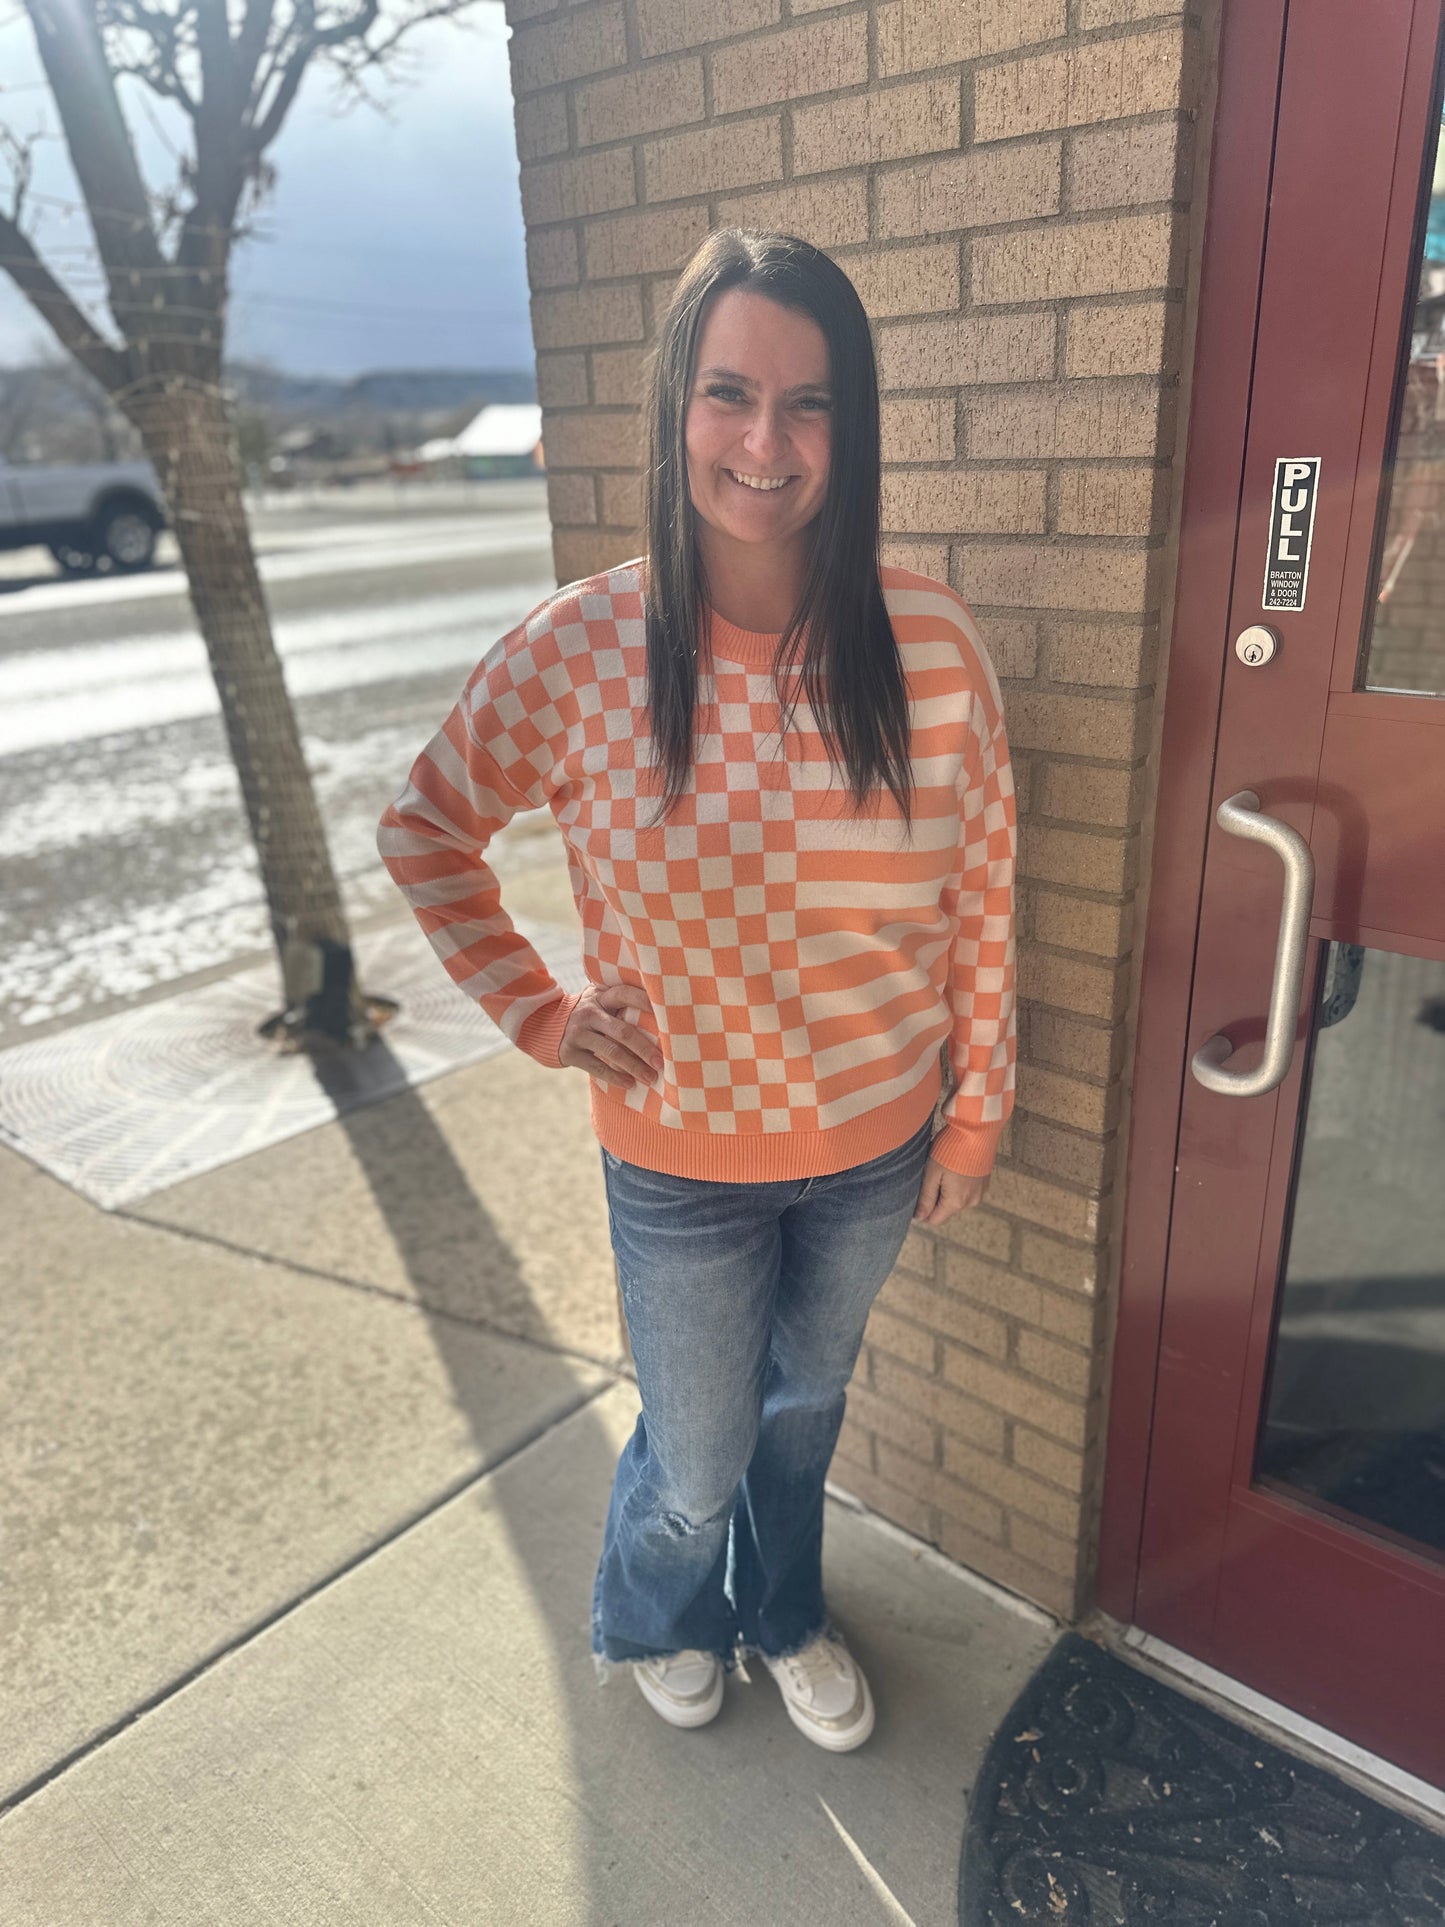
(307, 1462)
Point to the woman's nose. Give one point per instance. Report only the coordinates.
(767, 436)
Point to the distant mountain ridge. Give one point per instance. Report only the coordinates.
(382, 391)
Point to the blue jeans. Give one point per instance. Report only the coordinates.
(746, 1305)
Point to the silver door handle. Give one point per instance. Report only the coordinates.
(1240, 814)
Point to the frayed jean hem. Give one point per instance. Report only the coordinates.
(731, 1658)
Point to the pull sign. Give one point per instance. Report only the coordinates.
(1291, 528)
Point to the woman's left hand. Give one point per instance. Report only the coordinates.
(945, 1192)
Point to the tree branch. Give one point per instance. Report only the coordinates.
(56, 308)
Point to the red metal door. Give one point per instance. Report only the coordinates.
(1276, 1502)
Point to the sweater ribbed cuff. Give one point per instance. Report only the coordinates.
(541, 1034)
(968, 1149)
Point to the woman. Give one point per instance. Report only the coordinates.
(783, 779)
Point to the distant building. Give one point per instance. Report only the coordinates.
(504, 438)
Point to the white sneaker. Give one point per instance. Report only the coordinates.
(825, 1693)
(685, 1688)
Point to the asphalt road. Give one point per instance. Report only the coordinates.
(126, 864)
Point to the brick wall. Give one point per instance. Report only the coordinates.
(1008, 183)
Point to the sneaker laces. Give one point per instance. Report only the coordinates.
(815, 1664)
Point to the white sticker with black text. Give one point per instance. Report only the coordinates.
(1291, 529)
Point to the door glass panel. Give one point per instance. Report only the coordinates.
(1356, 1406)
(1404, 645)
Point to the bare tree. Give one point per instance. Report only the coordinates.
(233, 68)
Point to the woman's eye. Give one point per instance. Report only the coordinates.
(720, 391)
(816, 404)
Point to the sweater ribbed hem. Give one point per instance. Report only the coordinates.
(760, 1157)
(968, 1149)
(541, 1034)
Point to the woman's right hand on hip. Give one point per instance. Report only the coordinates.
(604, 1037)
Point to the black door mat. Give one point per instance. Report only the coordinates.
(1108, 1798)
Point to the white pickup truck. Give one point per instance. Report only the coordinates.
(94, 515)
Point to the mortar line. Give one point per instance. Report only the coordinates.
(209, 1661)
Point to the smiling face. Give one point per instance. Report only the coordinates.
(758, 428)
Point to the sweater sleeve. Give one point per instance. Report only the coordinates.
(982, 1045)
(488, 761)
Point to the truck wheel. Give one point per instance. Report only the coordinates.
(71, 560)
(125, 537)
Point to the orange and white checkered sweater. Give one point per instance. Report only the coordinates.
(805, 962)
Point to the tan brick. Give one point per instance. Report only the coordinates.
(622, 501)
(1091, 862)
(927, 1397)
(1117, 13)
(642, 243)
(978, 1230)
(1008, 1568)
(1013, 648)
(923, 558)
(665, 25)
(579, 553)
(918, 431)
(1093, 990)
(1071, 1266)
(1012, 1486)
(1051, 1550)
(1030, 1303)
(1123, 338)
(970, 190)
(1119, 256)
(1062, 1153)
(587, 41)
(1076, 726)
(1087, 1107)
(918, 1255)
(1008, 1391)
(519, 10)
(592, 440)
(562, 380)
(542, 125)
(1104, 929)
(644, 102)
(900, 1339)
(1128, 166)
(892, 281)
(1035, 1453)
(918, 34)
(552, 257)
(575, 318)
(813, 59)
(943, 1312)
(988, 500)
(1085, 793)
(586, 184)
(892, 1420)
(1037, 575)
(617, 376)
(1095, 419)
(959, 1501)
(829, 213)
(571, 499)
(855, 1446)
(904, 1509)
(920, 118)
(713, 159)
(1079, 86)
(966, 349)
(1056, 1038)
(1113, 501)
(1047, 1206)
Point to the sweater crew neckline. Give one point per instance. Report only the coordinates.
(755, 647)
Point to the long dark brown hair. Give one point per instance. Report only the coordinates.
(849, 667)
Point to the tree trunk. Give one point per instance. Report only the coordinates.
(184, 426)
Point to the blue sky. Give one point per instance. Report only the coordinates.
(390, 242)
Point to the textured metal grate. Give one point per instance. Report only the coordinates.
(135, 1102)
